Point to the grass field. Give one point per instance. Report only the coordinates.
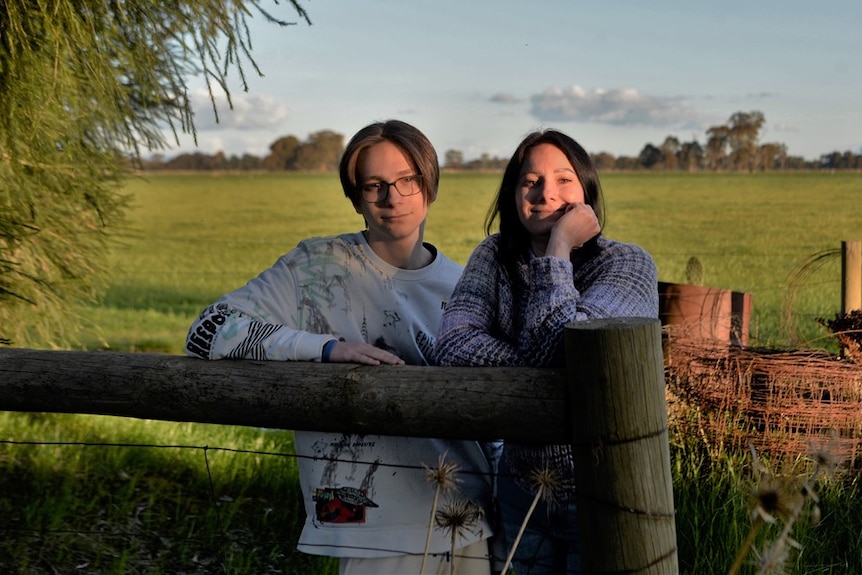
(106, 495)
(192, 238)
(193, 498)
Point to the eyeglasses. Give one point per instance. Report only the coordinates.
(373, 192)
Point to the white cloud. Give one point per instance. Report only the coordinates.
(623, 107)
(761, 95)
(504, 98)
(250, 111)
(784, 127)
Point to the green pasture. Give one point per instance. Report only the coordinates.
(121, 496)
(193, 237)
(105, 495)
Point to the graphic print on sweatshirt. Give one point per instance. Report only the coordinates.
(200, 341)
(341, 504)
(340, 498)
(322, 284)
(338, 285)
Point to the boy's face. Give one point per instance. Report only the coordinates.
(396, 216)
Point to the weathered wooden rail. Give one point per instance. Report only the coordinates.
(456, 403)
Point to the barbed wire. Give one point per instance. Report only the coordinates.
(222, 535)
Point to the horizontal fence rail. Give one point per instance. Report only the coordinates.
(521, 404)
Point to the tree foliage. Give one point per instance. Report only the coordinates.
(282, 153)
(87, 85)
(454, 159)
(744, 133)
(320, 153)
(650, 156)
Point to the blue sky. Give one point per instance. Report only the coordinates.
(477, 75)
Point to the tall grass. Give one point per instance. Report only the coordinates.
(234, 507)
(96, 494)
(716, 500)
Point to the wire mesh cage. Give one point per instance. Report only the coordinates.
(783, 403)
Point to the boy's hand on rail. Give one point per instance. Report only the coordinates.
(364, 353)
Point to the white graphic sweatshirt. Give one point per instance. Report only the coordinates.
(365, 496)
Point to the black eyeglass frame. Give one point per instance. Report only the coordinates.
(381, 188)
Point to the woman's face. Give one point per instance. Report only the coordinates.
(547, 185)
(396, 216)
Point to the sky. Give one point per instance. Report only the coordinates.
(478, 75)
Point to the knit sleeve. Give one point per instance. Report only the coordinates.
(551, 301)
(471, 330)
(620, 280)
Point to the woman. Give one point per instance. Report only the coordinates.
(548, 266)
(372, 297)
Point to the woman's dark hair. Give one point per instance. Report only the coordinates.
(412, 142)
(515, 239)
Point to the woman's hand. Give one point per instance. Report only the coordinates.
(576, 226)
(364, 353)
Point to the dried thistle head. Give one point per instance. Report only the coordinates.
(459, 517)
(547, 483)
(445, 475)
(694, 271)
(824, 456)
(775, 499)
(825, 460)
(778, 498)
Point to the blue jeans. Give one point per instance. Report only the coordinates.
(550, 544)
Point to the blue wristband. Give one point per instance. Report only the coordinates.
(327, 349)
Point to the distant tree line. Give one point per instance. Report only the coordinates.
(319, 153)
(734, 146)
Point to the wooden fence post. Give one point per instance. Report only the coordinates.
(851, 275)
(616, 386)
